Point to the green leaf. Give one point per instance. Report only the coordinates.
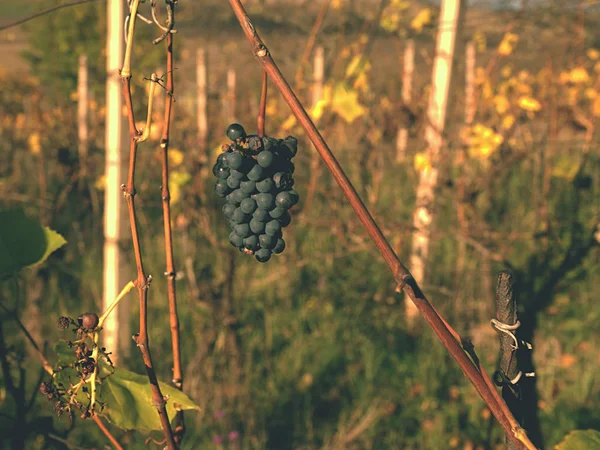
(24, 242)
(128, 398)
(580, 440)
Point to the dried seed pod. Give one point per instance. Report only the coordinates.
(88, 321)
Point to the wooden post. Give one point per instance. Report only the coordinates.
(436, 119)
(469, 83)
(408, 68)
(202, 103)
(230, 109)
(82, 112)
(115, 220)
(506, 314)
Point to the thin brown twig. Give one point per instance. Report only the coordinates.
(142, 282)
(263, 105)
(401, 274)
(107, 433)
(171, 271)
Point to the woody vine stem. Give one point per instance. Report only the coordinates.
(142, 281)
(403, 277)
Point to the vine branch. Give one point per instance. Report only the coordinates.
(405, 280)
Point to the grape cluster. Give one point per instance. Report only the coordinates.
(254, 175)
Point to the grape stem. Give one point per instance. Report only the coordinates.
(405, 281)
(263, 105)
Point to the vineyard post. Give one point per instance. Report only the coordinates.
(434, 138)
(506, 316)
(404, 279)
(82, 112)
(201, 101)
(408, 68)
(115, 168)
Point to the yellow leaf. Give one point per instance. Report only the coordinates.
(508, 43)
(175, 157)
(590, 93)
(579, 75)
(318, 109)
(271, 109)
(34, 143)
(529, 104)
(480, 41)
(345, 103)
(354, 67)
(421, 19)
(289, 123)
(390, 22)
(593, 54)
(100, 183)
(177, 179)
(502, 104)
(506, 71)
(422, 163)
(508, 121)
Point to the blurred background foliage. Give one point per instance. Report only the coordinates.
(311, 351)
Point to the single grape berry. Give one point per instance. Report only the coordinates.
(265, 158)
(257, 226)
(265, 201)
(256, 173)
(238, 196)
(265, 185)
(261, 214)
(228, 209)
(248, 186)
(88, 321)
(232, 182)
(235, 131)
(285, 219)
(221, 172)
(235, 160)
(267, 241)
(269, 143)
(248, 205)
(263, 255)
(295, 196)
(284, 200)
(279, 247)
(221, 188)
(251, 242)
(238, 216)
(272, 228)
(236, 240)
(291, 143)
(242, 230)
(276, 213)
(237, 174)
(63, 323)
(222, 159)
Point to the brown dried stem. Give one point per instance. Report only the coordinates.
(171, 272)
(401, 274)
(107, 433)
(142, 281)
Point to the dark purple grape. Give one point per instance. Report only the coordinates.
(285, 219)
(272, 228)
(243, 230)
(233, 182)
(237, 174)
(222, 159)
(261, 214)
(265, 201)
(267, 241)
(256, 173)
(279, 247)
(265, 158)
(276, 213)
(236, 240)
(295, 196)
(263, 255)
(257, 226)
(284, 200)
(228, 209)
(235, 160)
(235, 131)
(248, 205)
(251, 242)
(221, 188)
(238, 196)
(238, 216)
(269, 143)
(248, 186)
(265, 185)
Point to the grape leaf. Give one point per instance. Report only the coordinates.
(345, 103)
(128, 398)
(24, 242)
(580, 440)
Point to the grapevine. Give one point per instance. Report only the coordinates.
(255, 176)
